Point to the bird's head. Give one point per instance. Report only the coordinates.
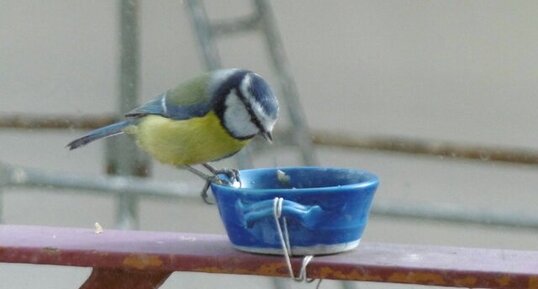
(247, 106)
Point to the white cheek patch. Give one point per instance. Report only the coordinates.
(236, 117)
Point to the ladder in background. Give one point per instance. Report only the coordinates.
(262, 21)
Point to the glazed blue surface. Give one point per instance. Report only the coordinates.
(322, 206)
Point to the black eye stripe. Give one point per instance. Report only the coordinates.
(251, 112)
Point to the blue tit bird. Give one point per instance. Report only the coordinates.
(208, 118)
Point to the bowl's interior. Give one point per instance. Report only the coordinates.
(302, 178)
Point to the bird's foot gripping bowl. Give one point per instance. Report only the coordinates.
(325, 209)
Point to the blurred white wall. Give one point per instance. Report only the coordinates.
(446, 70)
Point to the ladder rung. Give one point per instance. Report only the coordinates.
(240, 25)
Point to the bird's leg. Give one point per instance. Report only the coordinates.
(208, 179)
(204, 195)
(232, 174)
(202, 175)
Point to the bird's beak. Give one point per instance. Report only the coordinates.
(268, 136)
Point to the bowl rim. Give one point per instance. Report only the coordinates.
(371, 180)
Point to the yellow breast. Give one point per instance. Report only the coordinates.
(185, 142)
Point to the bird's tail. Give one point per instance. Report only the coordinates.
(103, 132)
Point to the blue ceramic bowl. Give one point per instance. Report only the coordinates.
(326, 209)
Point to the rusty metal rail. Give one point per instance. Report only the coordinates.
(138, 259)
(380, 143)
(428, 147)
(30, 122)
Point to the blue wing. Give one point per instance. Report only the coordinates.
(191, 99)
(183, 102)
(166, 106)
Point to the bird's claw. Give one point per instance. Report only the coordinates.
(232, 174)
(232, 178)
(205, 195)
